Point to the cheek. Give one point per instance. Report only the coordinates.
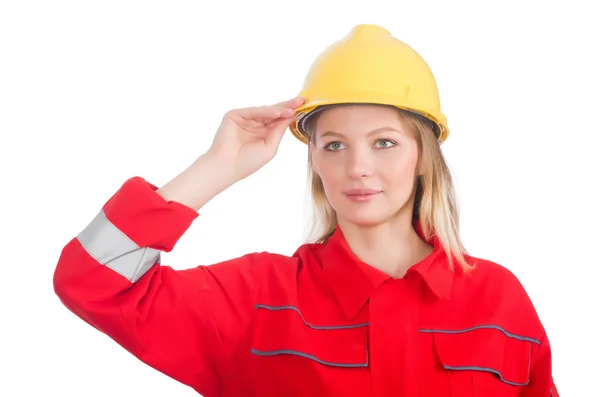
(397, 172)
(332, 175)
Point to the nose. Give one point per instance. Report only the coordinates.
(359, 164)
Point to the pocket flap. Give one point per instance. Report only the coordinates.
(282, 330)
(487, 349)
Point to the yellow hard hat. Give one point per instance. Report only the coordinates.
(370, 66)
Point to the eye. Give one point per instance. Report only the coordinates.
(333, 146)
(384, 143)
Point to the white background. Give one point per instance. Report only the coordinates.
(92, 93)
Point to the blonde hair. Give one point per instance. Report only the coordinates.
(435, 205)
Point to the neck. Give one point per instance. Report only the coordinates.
(392, 247)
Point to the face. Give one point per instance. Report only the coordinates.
(367, 157)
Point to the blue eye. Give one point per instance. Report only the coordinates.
(380, 144)
(333, 146)
(386, 142)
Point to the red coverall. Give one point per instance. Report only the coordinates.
(320, 322)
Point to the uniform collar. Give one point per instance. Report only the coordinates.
(353, 281)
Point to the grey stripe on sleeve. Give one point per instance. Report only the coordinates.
(112, 248)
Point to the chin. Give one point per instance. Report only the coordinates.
(365, 218)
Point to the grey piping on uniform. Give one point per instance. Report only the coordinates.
(509, 334)
(318, 327)
(474, 368)
(477, 368)
(309, 356)
(112, 248)
(321, 327)
(551, 392)
(530, 358)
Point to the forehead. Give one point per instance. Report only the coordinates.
(358, 119)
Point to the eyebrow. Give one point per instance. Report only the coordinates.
(375, 131)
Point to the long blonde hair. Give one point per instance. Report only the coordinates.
(435, 205)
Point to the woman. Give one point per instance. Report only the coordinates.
(384, 302)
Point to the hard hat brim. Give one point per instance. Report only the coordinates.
(304, 112)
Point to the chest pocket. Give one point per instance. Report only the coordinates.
(484, 360)
(291, 352)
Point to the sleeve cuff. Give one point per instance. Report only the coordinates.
(144, 216)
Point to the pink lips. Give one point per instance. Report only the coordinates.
(361, 194)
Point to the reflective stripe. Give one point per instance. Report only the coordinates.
(111, 247)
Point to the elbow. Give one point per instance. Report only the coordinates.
(64, 281)
(71, 284)
(60, 276)
(75, 280)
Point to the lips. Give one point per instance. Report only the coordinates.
(361, 192)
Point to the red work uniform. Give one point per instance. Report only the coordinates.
(317, 323)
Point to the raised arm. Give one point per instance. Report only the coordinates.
(183, 323)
